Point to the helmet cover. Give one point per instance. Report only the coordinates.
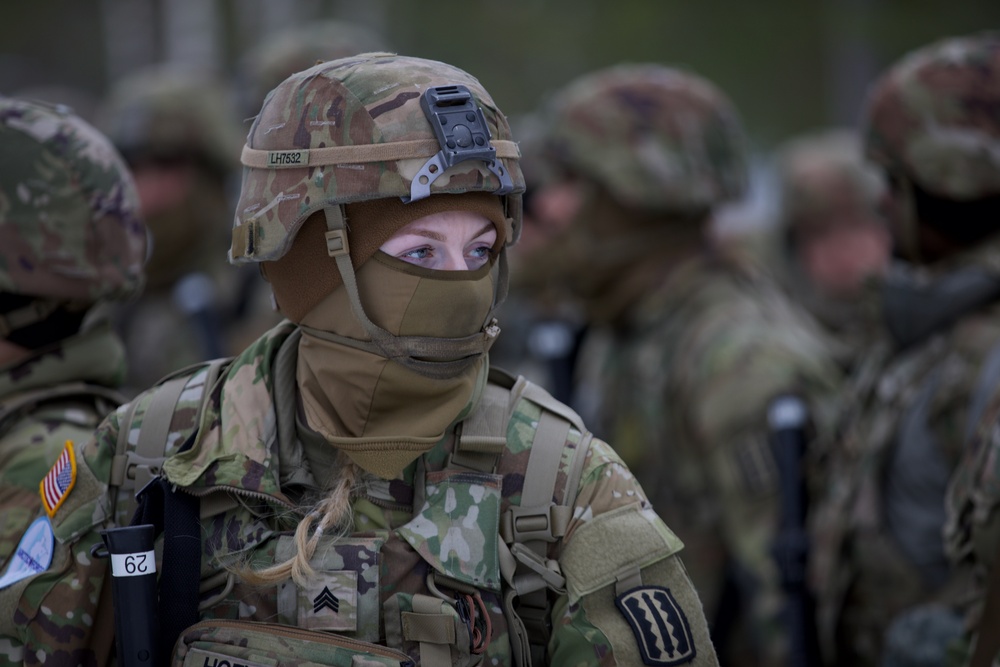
(70, 227)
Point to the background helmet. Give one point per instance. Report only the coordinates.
(165, 114)
(657, 138)
(354, 130)
(933, 118)
(297, 48)
(69, 212)
(824, 178)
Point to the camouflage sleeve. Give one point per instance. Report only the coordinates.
(51, 608)
(726, 404)
(628, 598)
(972, 530)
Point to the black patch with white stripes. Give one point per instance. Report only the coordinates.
(660, 626)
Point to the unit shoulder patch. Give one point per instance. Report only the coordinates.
(659, 624)
(33, 554)
(58, 482)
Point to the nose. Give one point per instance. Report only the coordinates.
(453, 260)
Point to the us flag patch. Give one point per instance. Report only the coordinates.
(59, 480)
(659, 624)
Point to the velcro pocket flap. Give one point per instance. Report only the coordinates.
(457, 529)
(614, 544)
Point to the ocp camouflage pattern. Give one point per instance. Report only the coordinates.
(684, 392)
(242, 454)
(348, 102)
(932, 117)
(857, 563)
(69, 212)
(658, 138)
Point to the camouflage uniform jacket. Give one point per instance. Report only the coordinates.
(878, 526)
(61, 393)
(972, 531)
(440, 526)
(686, 385)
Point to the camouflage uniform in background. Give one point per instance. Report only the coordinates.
(426, 562)
(543, 323)
(70, 238)
(971, 533)
(181, 138)
(932, 125)
(829, 207)
(686, 346)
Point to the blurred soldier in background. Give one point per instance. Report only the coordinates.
(933, 127)
(295, 49)
(179, 133)
(686, 347)
(972, 535)
(833, 238)
(543, 324)
(71, 238)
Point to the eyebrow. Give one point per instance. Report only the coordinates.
(427, 233)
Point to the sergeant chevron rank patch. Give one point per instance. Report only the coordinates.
(330, 602)
(660, 626)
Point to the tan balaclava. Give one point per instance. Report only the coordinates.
(385, 412)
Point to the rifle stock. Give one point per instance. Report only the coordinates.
(788, 422)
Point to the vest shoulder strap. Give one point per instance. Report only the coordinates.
(531, 529)
(143, 444)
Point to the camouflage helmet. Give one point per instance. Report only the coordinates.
(933, 117)
(824, 178)
(297, 48)
(164, 112)
(70, 228)
(374, 126)
(657, 138)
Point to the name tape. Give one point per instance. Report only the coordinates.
(288, 158)
(133, 565)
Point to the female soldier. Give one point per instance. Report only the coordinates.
(359, 471)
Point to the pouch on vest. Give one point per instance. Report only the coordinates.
(222, 643)
(431, 628)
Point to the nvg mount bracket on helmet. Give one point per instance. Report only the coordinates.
(461, 131)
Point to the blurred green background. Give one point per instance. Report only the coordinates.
(790, 65)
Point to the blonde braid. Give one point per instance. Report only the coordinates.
(333, 512)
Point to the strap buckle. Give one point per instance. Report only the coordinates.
(525, 524)
(336, 243)
(547, 569)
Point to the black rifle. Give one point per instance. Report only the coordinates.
(788, 422)
(133, 590)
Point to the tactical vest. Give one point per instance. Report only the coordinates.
(448, 629)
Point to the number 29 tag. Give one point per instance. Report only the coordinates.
(133, 565)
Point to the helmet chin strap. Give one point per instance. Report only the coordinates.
(437, 358)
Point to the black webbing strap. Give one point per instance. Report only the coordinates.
(175, 514)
